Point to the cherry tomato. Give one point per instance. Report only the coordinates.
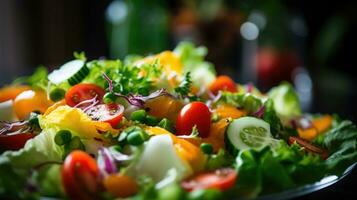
(111, 113)
(221, 179)
(29, 101)
(223, 83)
(83, 91)
(308, 146)
(14, 142)
(194, 114)
(80, 176)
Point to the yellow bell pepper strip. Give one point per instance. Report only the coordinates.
(319, 125)
(11, 92)
(186, 150)
(226, 111)
(121, 186)
(65, 117)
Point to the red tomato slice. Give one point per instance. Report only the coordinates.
(221, 179)
(111, 113)
(194, 114)
(223, 83)
(80, 176)
(83, 91)
(14, 142)
(308, 146)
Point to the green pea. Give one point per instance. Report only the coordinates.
(138, 115)
(109, 98)
(166, 124)
(206, 148)
(63, 137)
(57, 94)
(136, 138)
(151, 120)
(76, 143)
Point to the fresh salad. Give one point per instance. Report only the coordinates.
(163, 126)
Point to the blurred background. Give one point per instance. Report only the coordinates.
(260, 42)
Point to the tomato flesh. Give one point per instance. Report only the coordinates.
(14, 142)
(194, 114)
(82, 92)
(111, 113)
(221, 179)
(80, 176)
(223, 83)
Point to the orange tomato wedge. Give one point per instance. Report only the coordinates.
(319, 125)
(120, 185)
(226, 111)
(29, 101)
(11, 92)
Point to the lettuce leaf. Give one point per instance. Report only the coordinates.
(267, 171)
(341, 142)
(15, 166)
(192, 58)
(286, 101)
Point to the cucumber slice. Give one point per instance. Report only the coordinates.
(73, 71)
(248, 133)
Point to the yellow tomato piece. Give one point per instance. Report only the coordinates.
(186, 150)
(11, 92)
(29, 101)
(307, 134)
(120, 185)
(319, 125)
(322, 123)
(226, 111)
(168, 60)
(217, 131)
(164, 107)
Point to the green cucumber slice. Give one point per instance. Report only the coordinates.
(249, 133)
(73, 71)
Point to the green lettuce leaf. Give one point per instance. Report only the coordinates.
(341, 142)
(192, 58)
(38, 80)
(15, 166)
(286, 101)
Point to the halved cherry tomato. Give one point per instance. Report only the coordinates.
(308, 146)
(83, 91)
(221, 179)
(14, 142)
(80, 176)
(223, 83)
(111, 113)
(29, 101)
(194, 114)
